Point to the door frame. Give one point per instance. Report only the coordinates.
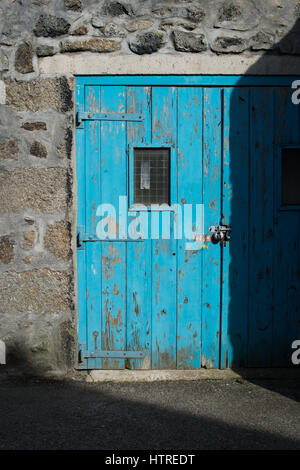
(221, 81)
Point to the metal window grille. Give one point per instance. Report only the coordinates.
(151, 176)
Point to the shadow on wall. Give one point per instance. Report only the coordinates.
(26, 358)
(263, 258)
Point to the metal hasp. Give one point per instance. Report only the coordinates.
(88, 116)
(220, 233)
(84, 354)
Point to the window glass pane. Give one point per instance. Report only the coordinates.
(151, 176)
(290, 174)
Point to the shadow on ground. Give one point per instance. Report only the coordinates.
(67, 414)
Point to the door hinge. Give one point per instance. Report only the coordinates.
(87, 116)
(83, 237)
(85, 354)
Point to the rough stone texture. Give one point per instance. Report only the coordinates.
(51, 26)
(6, 249)
(45, 50)
(147, 43)
(91, 45)
(23, 59)
(29, 239)
(29, 220)
(81, 31)
(116, 9)
(114, 30)
(138, 25)
(161, 12)
(229, 12)
(9, 149)
(195, 14)
(97, 22)
(39, 94)
(74, 5)
(277, 12)
(240, 15)
(38, 189)
(57, 240)
(228, 44)
(262, 41)
(38, 150)
(41, 2)
(189, 42)
(64, 150)
(187, 25)
(4, 64)
(34, 126)
(37, 291)
(169, 24)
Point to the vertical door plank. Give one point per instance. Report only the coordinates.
(113, 185)
(139, 253)
(189, 264)
(93, 250)
(261, 231)
(212, 129)
(164, 122)
(81, 254)
(286, 319)
(234, 325)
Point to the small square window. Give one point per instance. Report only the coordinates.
(152, 176)
(290, 176)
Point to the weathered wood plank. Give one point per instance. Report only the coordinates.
(92, 250)
(235, 211)
(189, 263)
(139, 318)
(164, 122)
(261, 230)
(113, 256)
(212, 130)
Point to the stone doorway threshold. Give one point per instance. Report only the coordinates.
(201, 374)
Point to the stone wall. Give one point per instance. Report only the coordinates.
(37, 209)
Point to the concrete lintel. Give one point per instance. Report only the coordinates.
(201, 374)
(168, 64)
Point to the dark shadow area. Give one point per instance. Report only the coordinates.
(41, 414)
(263, 262)
(19, 361)
(22, 359)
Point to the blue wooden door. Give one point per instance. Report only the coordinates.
(260, 201)
(148, 301)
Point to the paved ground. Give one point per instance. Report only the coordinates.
(206, 414)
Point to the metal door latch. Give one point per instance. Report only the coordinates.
(220, 233)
